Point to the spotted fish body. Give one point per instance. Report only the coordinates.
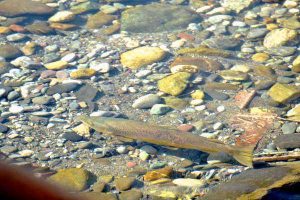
(164, 136)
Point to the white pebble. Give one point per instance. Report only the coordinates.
(200, 108)
(16, 109)
(217, 126)
(221, 108)
(121, 149)
(26, 153)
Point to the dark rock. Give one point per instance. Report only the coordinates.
(216, 94)
(39, 120)
(289, 141)
(73, 137)
(3, 128)
(11, 8)
(88, 94)
(62, 88)
(157, 18)
(40, 28)
(8, 51)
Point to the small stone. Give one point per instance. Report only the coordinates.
(8, 51)
(159, 109)
(82, 73)
(62, 88)
(233, 75)
(72, 179)
(57, 65)
(131, 195)
(73, 137)
(165, 172)
(43, 100)
(142, 56)
(282, 92)
(185, 127)
(279, 37)
(13, 95)
(3, 128)
(198, 94)
(241, 68)
(98, 186)
(144, 155)
(4, 30)
(15, 109)
(62, 16)
(174, 84)
(82, 130)
(289, 141)
(100, 67)
(289, 127)
(124, 183)
(260, 57)
(296, 65)
(218, 126)
(149, 149)
(97, 196)
(26, 153)
(121, 149)
(70, 57)
(99, 19)
(146, 101)
(16, 37)
(189, 182)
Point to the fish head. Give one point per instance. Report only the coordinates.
(97, 123)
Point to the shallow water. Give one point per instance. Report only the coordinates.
(60, 59)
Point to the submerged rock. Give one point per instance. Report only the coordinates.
(11, 8)
(174, 84)
(256, 183)
(282, 92)
(8, 51)
(142, 56)
(279, 37)
(237, 5)
(156, 18)
(73, 179)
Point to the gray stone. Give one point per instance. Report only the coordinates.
(3, 128)
(73, 137)
(237, 5)
(159, 109)
(62, 88)
(13, 95)
(146, 101)
(289, 127)
(282, 51)
(8, 149)
(16, 37)
(216, 94)
(256, 33)
(157, 18)
(227, 43)
(289, 141)
(43, 100)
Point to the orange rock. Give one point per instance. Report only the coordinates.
(62, 26)
(17, 28)
(4, 30)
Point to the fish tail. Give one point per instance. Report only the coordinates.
(243, 155)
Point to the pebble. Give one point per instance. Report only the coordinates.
(15, 109)
(124, 183)
(149, 149)
(73, 137)
(189, 182)
(57, 65)
(289, 127)
(121, 149)
(146, 101)
(159, 109)
(26, 153)
(100, 67)
(16, 37)
(70, 57)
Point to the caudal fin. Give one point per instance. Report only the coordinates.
(244, 155)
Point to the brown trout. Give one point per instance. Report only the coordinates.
(130, 129)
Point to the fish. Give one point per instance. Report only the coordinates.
(160, 135)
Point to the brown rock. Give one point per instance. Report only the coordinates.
(131, 195)
(11, 8)
(288, 141)
(63, 26)
(193, 65)
(8, 51)
(124, 183)
(165, 172)
(99, 19)
(264, 71)
(39, 28)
